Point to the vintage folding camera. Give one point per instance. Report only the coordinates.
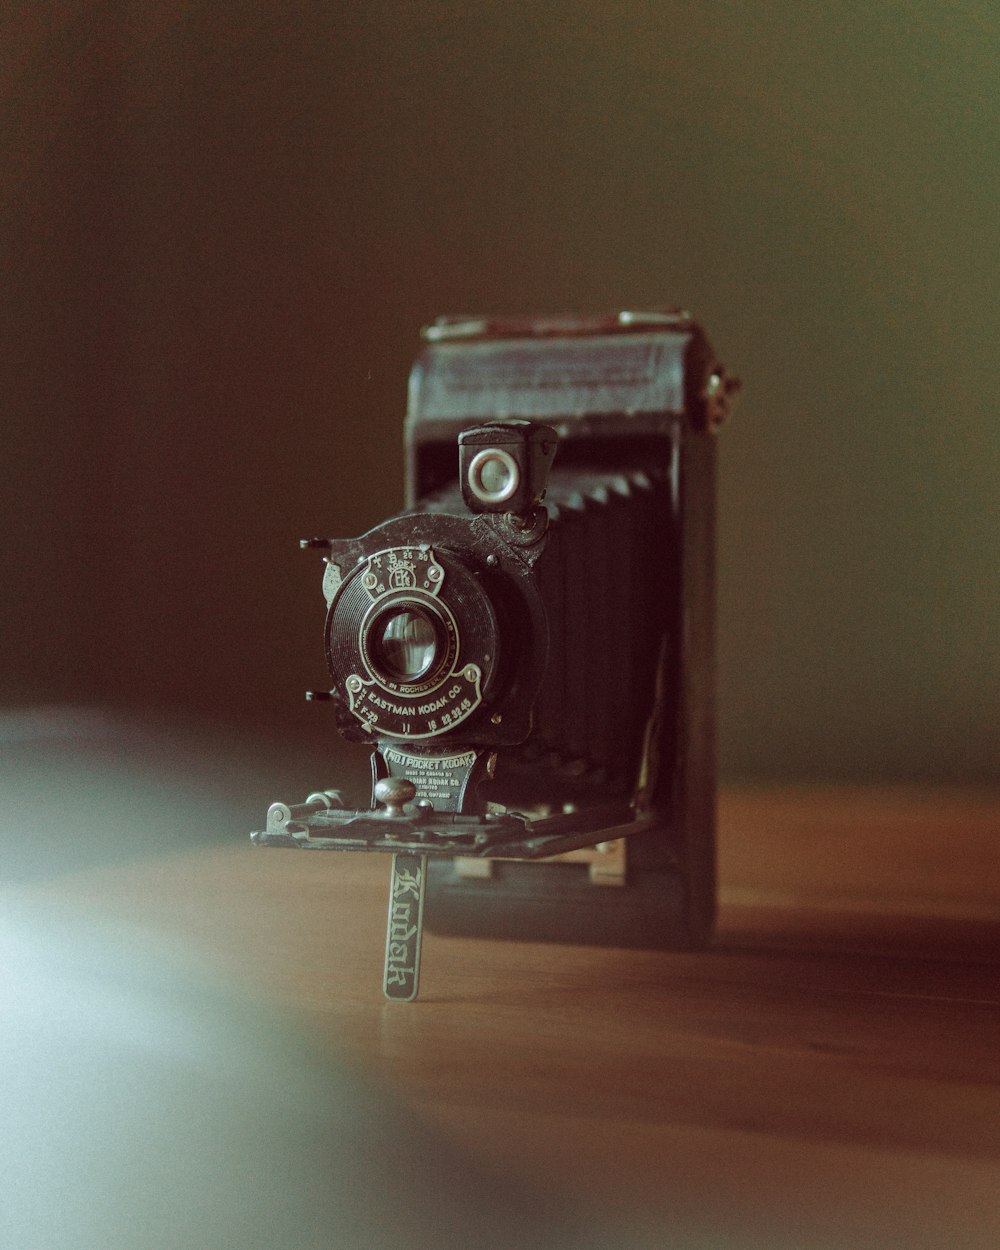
(528, 647)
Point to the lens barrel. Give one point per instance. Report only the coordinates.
(413, 640)
(405, 643)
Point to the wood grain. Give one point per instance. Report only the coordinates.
(828, 1074)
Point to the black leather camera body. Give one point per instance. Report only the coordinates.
(528, 648)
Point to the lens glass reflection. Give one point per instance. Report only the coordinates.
(406, 644)
(495, 476)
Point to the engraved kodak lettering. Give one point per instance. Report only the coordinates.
(398, 976)
(406, 882)
(400, 928)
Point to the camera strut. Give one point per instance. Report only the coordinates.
(412, 829)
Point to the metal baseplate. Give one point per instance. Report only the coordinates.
(413, 831)
(319, 824)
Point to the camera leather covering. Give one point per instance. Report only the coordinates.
(627, 702)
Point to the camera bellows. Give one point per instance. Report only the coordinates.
(601, 579)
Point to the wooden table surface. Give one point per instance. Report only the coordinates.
(828, 1074)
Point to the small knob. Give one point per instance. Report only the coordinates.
(394, 792)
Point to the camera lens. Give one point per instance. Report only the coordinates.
(405, 644)
(493, 475)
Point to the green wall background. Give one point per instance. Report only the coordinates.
(223, 224)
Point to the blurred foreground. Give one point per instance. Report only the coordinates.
(826, 1076)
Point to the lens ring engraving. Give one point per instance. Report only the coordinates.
(397, 717)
